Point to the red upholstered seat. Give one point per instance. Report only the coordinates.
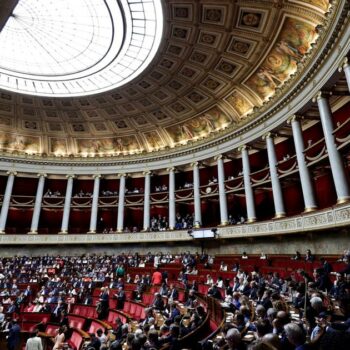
(95, 325)
(37, 317)
(127, 306)
(113, 303)
(181, 296)
(132, 309)
(51, 329)
(138, 311)
(29, 326)
(76, 340)
(112, 316)
(143, 314)
(76, 321)
(147, 298)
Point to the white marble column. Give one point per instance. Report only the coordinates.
(305, 178)
(94, 206)
(6, 200)
(67, 204)
(249, 193)
(121, 203)
(196, 196)
(37, 205)
(172, 204)
(222, 192)
(345, 66)
(336, 162)
(277, 193)
(147, 202)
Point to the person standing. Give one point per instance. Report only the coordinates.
(34, 342)
(13, 338)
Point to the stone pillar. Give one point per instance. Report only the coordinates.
(147, 202)
(305, 178)
(37, 206)
(336, 162)
(345, 66)
(67, 204)
(94, 205)
(196, 196)
(172, 203)
(277, 193)
(249, 194)
(222, 192)
(121, 203)
(6, 200)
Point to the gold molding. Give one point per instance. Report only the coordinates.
(343, 200)
(310, 210)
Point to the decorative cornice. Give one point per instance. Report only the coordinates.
(337, 23)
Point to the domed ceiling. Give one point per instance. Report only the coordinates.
(217, 63)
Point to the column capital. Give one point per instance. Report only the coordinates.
(96, 176)
(171, 169)
(219, 156)
(70, 176)
(244, 148)
(194, 164)
(147, 172)
(294, 117)
(11, 172)
(41, 175)
(345, 63)
(122, 175)
(321, 94)
(269, 135)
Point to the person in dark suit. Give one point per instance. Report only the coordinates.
(121, 297)
(13, 338)
(103, 304)
(173, 293)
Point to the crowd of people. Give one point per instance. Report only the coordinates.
(309, 312)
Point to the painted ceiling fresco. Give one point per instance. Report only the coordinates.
(218, 61)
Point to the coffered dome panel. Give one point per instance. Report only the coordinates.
(218, 64)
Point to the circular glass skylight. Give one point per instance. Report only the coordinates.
(77, 47)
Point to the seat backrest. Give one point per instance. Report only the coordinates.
(51, 329)
(77, 340)
(138, 311)
(132, 309)
(127, 306)
(76, 321)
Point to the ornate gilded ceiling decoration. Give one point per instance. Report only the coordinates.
(219, 62)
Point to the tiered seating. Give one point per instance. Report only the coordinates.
(77, 339)
(97, 324)
(85, 311)
(112, 316)
(76, 321)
